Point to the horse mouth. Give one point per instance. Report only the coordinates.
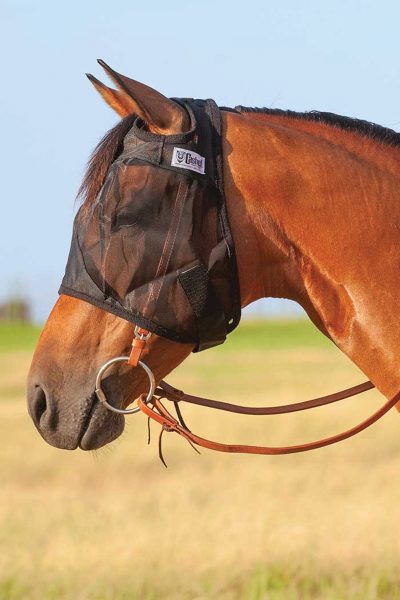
(100, 427)
(69, 419)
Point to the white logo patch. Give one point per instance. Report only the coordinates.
(187, 159)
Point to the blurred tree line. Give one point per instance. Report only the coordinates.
(15, 309)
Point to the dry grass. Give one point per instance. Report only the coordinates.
(117, 525)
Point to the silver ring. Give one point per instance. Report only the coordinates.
(102, 397)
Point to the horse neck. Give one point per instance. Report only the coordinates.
(310, 205)
(256, 175)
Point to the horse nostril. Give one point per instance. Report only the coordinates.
(37, 403)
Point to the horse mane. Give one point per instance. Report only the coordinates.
(110, 146)
(360, 126)
(106, 151)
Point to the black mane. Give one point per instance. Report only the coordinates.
(364, 128)
(101, 158)
(111, 144)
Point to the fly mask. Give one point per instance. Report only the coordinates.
(155, 247)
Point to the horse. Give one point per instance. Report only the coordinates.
(313, 208)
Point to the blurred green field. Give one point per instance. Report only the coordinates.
(250, 335)
(116, 525)
(18, 336)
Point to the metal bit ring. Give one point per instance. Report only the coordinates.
(102, 397)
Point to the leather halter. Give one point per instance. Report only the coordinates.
(155, 410)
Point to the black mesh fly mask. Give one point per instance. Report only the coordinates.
(155, 247)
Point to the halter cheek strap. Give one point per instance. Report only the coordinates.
(138, 345)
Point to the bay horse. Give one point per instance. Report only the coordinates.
(313, 208)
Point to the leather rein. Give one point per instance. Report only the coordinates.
(155, 410)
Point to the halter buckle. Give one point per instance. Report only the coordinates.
(142, 334)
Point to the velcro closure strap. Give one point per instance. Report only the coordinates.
(210, 317)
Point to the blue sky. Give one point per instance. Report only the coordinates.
(340, 56)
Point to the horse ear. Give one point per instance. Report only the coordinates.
(119, 101)
(161, 114)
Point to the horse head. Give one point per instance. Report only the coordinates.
(313, 209)
(78, 337)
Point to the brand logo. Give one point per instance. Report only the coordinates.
(187, 159)
(180, 155)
